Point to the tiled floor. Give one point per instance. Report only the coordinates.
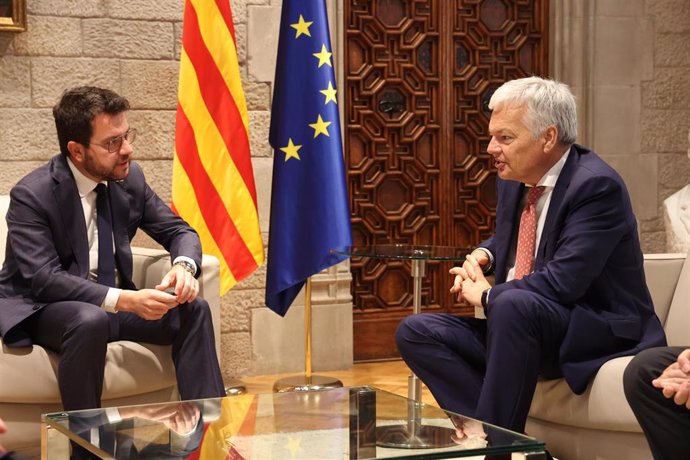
(387, 375)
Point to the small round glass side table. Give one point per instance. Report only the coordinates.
(413, 434)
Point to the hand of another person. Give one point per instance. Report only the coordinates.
(150, 304)
(3, 428)
(674, 382)
(183, 283)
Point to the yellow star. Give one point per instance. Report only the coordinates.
(320, 127)
(324, 56)
(291, 150)
(329, 93)
(302, 27)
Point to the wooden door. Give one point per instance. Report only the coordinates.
(419, 75)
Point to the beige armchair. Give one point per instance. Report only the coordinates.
(599, 424)
(134, 372)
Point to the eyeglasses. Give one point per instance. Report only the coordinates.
(114, 144)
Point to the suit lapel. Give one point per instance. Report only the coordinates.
(557, 197)
(119, 206)
(509, 197)
(71, 211)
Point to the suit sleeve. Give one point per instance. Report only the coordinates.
(166, 227)
(597, 217)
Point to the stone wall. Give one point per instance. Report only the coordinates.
(629, 64)
(665, 108)
(628, 61)
(133, 47)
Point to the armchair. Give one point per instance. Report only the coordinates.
(135, 373)
(599, 423)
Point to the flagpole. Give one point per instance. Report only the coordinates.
(307, 382)
(307, 329)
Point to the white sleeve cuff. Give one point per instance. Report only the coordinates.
(113, 415)
(187, 259)
(110, 301)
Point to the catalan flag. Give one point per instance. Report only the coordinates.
(309, 203)
(213, 182)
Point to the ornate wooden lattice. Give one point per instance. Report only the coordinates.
(419, 75)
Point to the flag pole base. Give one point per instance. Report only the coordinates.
(304, 383)
(235, 388)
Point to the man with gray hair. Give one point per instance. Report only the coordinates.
(569, 291)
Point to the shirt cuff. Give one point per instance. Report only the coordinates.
(113, 415)
(189, 260)
(110, 301)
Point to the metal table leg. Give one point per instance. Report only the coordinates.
(414, 435)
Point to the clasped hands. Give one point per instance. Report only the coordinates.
(674, 382)
(469, 280)
(177, 286)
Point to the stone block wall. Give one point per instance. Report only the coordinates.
(665, 108)
(628, 61)
(133, 47)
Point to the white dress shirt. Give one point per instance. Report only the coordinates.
(548, 181)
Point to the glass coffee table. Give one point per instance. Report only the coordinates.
(341, 423)
(413, 433)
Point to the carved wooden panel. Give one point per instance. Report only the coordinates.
(419, 74)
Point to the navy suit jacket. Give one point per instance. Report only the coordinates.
(589, 261)
(47, 251)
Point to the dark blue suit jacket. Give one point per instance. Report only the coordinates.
(47, 251)
(589, 260)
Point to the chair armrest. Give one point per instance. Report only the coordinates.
(151, 265)
(662, 272)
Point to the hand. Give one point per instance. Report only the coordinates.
(467, 271)
(469, 433)
(184, 285)
(181, 418)
(674, 382)
(3, 428)
(469, 280)
(150, 304)
(184, 420)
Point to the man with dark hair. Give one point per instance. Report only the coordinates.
(67, 279)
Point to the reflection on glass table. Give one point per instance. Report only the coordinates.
(412, 434)
(340, 423)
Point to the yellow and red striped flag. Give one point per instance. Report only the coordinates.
(213, 181)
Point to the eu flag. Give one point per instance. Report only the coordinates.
(309, 204)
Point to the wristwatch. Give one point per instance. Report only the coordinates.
(485, 297)
(187, 266)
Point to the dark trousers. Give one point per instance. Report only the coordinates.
(79, 333)
(665, 424)
(487, 369)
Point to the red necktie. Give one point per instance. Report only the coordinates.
(527, 234)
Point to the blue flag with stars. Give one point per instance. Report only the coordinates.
(309, 203)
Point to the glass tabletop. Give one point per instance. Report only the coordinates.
(405, 252)
(339, 423)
